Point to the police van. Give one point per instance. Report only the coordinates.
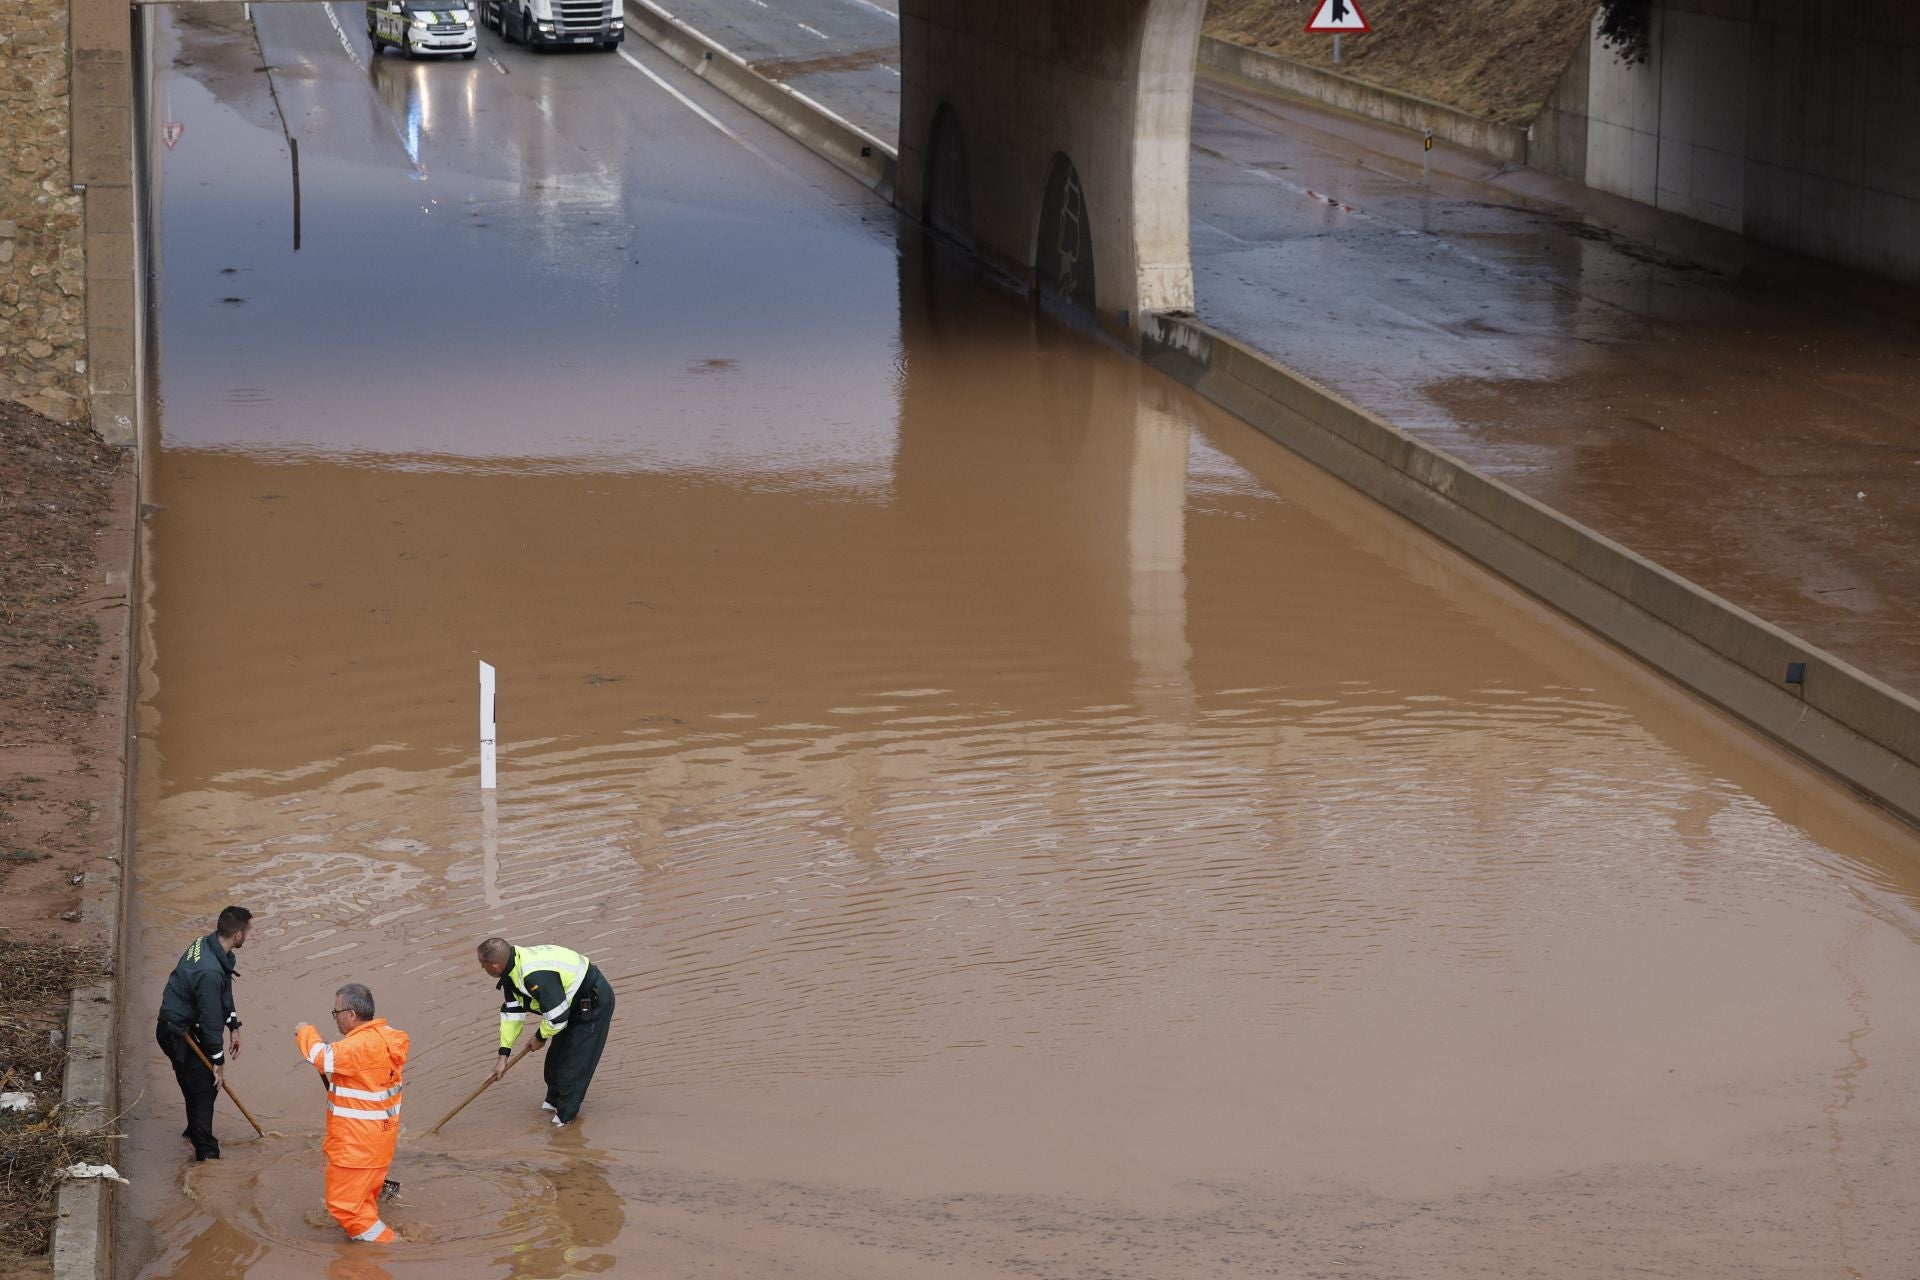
(423, 26)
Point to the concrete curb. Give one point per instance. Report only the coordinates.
(1504, 142)
(83, 1229)
(83, 1226)
(868, 159)
(1864, 732)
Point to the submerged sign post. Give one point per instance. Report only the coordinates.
(1336, 18)
(488, 776)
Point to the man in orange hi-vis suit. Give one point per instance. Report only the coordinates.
(362, 1074)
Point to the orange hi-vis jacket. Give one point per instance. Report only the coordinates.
(362, 1069)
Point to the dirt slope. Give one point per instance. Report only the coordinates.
(63, 521)
(1494, 58)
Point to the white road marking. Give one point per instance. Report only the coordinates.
(812, 31)
(496, 65)
(342, 33)
(885, 13)
(419, 170)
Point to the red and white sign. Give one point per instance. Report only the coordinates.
(171, 132)
(1339, 17)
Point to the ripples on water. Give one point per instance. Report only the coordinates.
(849, 897)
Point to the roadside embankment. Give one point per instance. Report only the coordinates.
(1504, 142)
(66, 568)
(1495, 59)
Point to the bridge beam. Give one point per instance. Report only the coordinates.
(1051, 137)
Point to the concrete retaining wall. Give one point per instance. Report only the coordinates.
(1504, 142)
(1788, 123)
(1864, 732)
(858, 152)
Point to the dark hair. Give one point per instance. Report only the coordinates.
(495, 950)
(233, 920)
(356, 998)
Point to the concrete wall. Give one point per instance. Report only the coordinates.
(1087, 99)
(1504, 142)
(1861, 730)
(1787, 122)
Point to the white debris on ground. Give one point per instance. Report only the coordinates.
(16, 1102)
(93, 1171)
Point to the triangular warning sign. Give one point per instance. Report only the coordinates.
(1339, 17)
(172, 134)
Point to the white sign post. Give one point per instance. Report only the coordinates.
(487, 740)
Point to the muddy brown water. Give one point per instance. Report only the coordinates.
(1035, 826)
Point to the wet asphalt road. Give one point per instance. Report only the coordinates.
(1035, 825)
(1747, 418)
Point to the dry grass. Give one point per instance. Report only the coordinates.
(1494, 58)
(35, 1145)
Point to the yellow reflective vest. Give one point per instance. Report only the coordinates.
(540, 983)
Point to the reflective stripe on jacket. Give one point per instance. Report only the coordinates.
(541, 982)
(362, 1069)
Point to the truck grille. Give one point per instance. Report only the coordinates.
(582, 15)
(447, 29)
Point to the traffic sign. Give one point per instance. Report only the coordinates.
(1337, 17)
(172, 133)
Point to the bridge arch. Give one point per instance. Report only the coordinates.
(1063, 258)
(1108, 83)
(949, 194)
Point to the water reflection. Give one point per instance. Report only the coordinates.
(586, 1217)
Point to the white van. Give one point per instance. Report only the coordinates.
(423, 26)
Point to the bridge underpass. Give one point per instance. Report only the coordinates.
(1035, 824)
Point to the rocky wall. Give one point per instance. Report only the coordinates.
(43, 342)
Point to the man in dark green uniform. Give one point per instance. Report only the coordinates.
(573, 1003)
(198, 1002)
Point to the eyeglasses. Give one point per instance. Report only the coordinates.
(338, 1012)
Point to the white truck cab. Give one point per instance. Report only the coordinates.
(542, 24)
(423, 26)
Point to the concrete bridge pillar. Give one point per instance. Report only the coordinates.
(1051, 137)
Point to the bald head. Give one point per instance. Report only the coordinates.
(496, 954)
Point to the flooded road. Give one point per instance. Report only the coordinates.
(1034, 825)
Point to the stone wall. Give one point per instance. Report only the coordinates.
(43, 342)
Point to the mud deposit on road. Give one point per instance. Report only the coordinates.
(1034, 826)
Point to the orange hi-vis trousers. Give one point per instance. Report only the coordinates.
(352, 1199)
(362, 1074)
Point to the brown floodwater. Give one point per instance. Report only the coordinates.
(1035, 825)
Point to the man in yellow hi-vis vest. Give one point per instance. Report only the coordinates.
(573, 1004)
